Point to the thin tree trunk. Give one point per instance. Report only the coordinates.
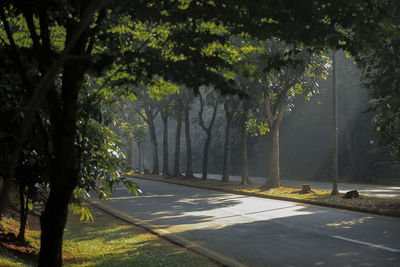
(205, 155)
(164, 116)
(130, 153)
(208, 133)
(177, 146)
(189, 170)
(153, 138)
(140, 156)
(227, 146)
(243, 137)
(23, 213)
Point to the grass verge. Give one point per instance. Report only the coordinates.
(105, 242)
(375, 205)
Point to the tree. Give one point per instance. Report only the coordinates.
(229, 104)
(178, 115)
(126, 112)
(165, 109)
(139, 132)
(213, 101)
(150, 113)
(381, 76)
(279, 87)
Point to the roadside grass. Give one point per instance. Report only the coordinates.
(110, 242)
(363, 203)
(106, 241)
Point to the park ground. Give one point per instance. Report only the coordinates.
(106, 241)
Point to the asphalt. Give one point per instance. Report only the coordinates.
(383, 191)
(249, 231)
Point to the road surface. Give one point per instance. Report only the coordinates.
(251, 231)
(384, 191)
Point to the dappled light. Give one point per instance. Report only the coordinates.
(213, 220)
(349, 224)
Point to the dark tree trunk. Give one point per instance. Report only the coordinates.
(205, 155)
(52, 222)
(227, 146)
(243, 146)
(189, 171)
(64, 179)
(23, 213)
(153, 138)
(177, 145)
(208, 133)
(140, 167)
(164, 116)
(273, 167)
(130, 153)
(64, 173)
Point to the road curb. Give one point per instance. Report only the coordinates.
(171, 237)
(303, 201)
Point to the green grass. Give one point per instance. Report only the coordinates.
(110, 242)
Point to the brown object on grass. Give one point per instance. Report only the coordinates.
(306, 189)
(146, 171)
(351, 194)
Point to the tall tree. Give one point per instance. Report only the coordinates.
(178, 115)
(189, 168)
(126, 113)
(211, 100)
(164, 111)
(299, 75)
(150, 113)
(228, 108)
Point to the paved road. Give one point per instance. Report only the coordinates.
(263, 232)
(364, 189)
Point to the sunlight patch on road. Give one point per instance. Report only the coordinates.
(349, 224)
(227, 212)
(141, 196)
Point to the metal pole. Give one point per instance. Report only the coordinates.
(336, 130)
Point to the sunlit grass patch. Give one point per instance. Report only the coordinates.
(106, 241)
(109, 242)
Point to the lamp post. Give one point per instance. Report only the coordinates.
(336, 131)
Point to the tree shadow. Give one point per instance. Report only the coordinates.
(303, 239)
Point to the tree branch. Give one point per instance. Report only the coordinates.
(32, 30)
(35, 102)
(44, 29)
(201, 121)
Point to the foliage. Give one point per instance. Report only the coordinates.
(102, 162)
(381, 76)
